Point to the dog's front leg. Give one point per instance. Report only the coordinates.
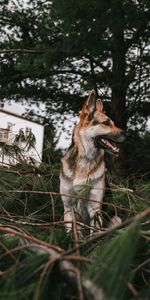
(95, 209)
(66, 192)
(68, 218)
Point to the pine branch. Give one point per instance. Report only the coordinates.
(29, 238)
(67, 269)
(136, 35)
(95, 237)
(75, 231)
(22, 50)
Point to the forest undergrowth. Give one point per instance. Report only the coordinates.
(38, 260)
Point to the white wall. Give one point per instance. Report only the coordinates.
(19, 123)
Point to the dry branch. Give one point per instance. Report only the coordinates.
(78, 269)
(21, 50)
(67, 269)
(30, 238)
(123, 190)
(95, 237)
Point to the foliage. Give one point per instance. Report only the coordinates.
(17, 148)
(135, 161)
(138, 153)
(27, 138)
(54, 52)
(34, 243)
(111, 269)
(50, 154)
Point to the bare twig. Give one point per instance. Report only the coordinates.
(78, 254)
(68, 195)
(67, 269)
(95, 237)
(19, 50)
(30, 238)
(53, 208)
(142, 265)
(8, 252)
(47, 268)
(133, 290)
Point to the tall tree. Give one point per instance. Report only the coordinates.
(55, 51)
(109, 36)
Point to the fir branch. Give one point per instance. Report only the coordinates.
(75, 231)
(67, 269)
(29, 238)
(95, 237)
(21, 50)
(124, 190)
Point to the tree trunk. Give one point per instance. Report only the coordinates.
(118, 83)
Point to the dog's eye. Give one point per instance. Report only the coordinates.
(107, 122)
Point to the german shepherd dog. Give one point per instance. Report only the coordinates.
(83, 164)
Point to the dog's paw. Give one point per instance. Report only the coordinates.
(115, 221)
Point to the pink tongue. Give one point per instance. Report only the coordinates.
(107, 143)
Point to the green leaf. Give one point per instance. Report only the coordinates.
(112, 269)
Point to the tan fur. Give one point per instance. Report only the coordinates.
(84, 164)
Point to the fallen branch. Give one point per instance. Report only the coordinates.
(19, 50)
(30, 238)
(95, 237)
(67, 269)
(68, 195)
(78, 269)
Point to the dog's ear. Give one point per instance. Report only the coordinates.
(99, 105)
(89, 106)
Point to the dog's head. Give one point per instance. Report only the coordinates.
(95, 126)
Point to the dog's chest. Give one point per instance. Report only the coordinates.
(88, 173)
(82, 171)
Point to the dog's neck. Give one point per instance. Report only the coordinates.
(86, 148)
(83, 163)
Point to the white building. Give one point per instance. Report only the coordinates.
(20, 139)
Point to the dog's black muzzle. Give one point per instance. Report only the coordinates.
(110, 142)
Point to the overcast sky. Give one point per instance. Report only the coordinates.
(63, 132)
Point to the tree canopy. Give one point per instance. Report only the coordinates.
(56, 51)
